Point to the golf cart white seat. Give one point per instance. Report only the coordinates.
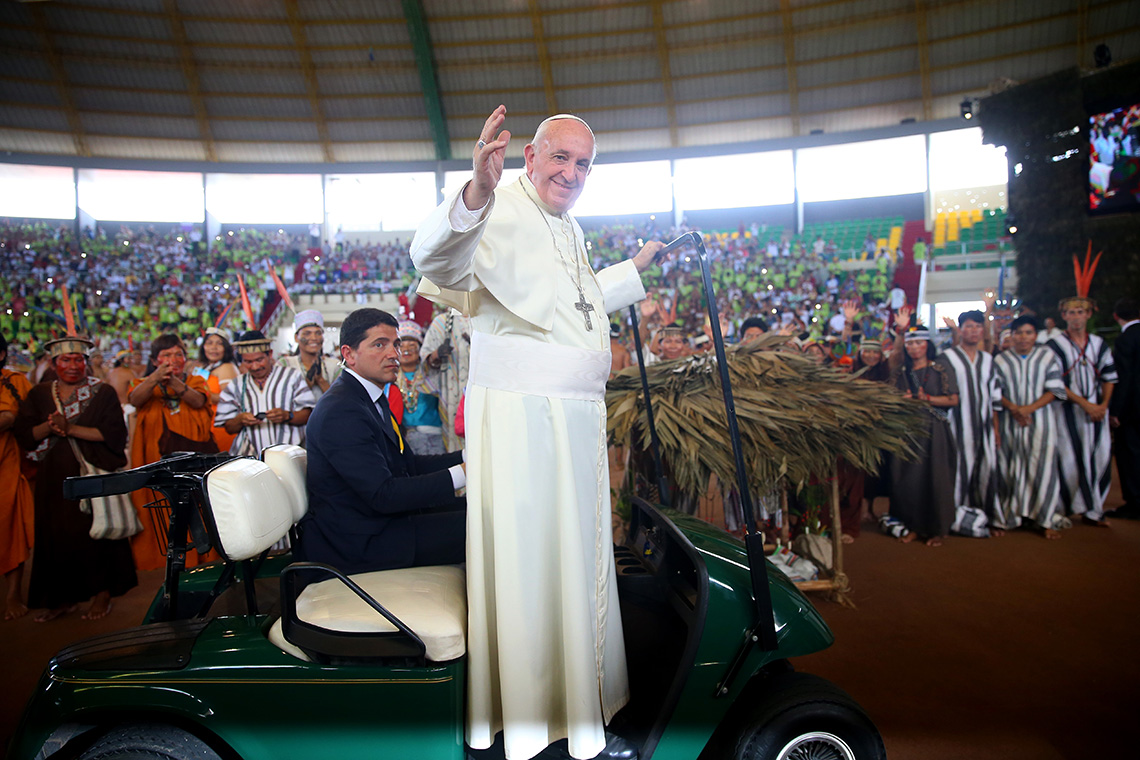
(254, 505)
(432, 601)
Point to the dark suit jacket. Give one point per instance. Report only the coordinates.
(1125, 402)
(363, 493)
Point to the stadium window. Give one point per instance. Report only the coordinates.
(896, 166)
(37, 192)
(379, 202)
(737, 181)
(265, 198)
(137, 196)
(959, 160)
(452, 181)
(642, 187)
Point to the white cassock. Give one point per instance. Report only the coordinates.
(546, 659)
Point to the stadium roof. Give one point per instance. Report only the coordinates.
(309, 81)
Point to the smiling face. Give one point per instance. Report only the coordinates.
(870, 356)
(376, 358)
(409, 354)
(310, 339)
(558, 161)
(672, 347)
(258, 364)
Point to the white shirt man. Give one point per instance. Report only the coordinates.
(514, 261)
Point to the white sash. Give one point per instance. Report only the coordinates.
(521, 365)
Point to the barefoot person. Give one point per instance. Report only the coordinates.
(15, 494)
(1030, 377)
(70, 566)
(540, 571)
(922, 490)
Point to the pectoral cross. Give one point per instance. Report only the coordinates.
(585, 307)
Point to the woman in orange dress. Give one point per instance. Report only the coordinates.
(16, 505)
(165, 399)
(217, 367)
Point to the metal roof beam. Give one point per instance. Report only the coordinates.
(59, 76)
(789, 35)
(297, 27)
(666, 72)
(539, 33)
(429, 82)
(190, 72)
(923, 58)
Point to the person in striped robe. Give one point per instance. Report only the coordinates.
(1029, 489)
(268, 404)
(978, 512)
(1084, 446)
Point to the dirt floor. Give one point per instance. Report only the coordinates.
(1015, 648)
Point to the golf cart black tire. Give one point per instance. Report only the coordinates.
(798, 704)
(149, 741)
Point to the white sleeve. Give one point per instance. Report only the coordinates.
(621, 286)
(458, 476)
(443, 249)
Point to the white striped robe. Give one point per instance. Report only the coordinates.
(1029, 485)
(285, 388)
(972, 425)
(1084, 447)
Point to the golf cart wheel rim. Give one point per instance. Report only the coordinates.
(818, 745)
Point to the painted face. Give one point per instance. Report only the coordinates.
(173, 357)
(971, 332)
(409, 353)
(258, 364)
(377, 356)
(672, 347)
(559, 164)
(71, 368)
(214, 348)
(871, 356)
(1024, 338)
(311, 339)
(916, 349)
(1076, 317)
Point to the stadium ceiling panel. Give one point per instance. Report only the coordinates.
(357, 80)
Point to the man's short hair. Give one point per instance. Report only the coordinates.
(1126, 309)
(971, 316)
(357, 324)
(757, 322)
(1024, 319)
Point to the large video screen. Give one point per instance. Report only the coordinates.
(1114, 160)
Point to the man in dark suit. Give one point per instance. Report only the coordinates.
(1124, 406)
(373, 503)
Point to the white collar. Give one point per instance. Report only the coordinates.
(373, 390)
(1126, 325)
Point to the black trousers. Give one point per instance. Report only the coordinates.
(441, 538)
(1126, 445)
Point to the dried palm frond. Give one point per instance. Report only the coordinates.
(795, 417)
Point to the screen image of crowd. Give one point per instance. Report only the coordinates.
(143, 290)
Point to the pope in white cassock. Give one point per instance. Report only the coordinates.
(546, 660)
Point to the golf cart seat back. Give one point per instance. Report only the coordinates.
(290, 463)
(252, 509)
(430, 601)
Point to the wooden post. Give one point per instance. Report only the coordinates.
(836, 528)
(785, 526)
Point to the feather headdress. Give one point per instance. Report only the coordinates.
(1083, 276)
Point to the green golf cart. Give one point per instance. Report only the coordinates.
(259, 658)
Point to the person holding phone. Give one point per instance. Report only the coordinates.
(310, 360)
(268, 404)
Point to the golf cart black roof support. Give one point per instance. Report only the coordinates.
(662, 486)
(764, 632)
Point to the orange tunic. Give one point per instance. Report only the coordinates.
(221, 437)
(16, 507)
(149, 550)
